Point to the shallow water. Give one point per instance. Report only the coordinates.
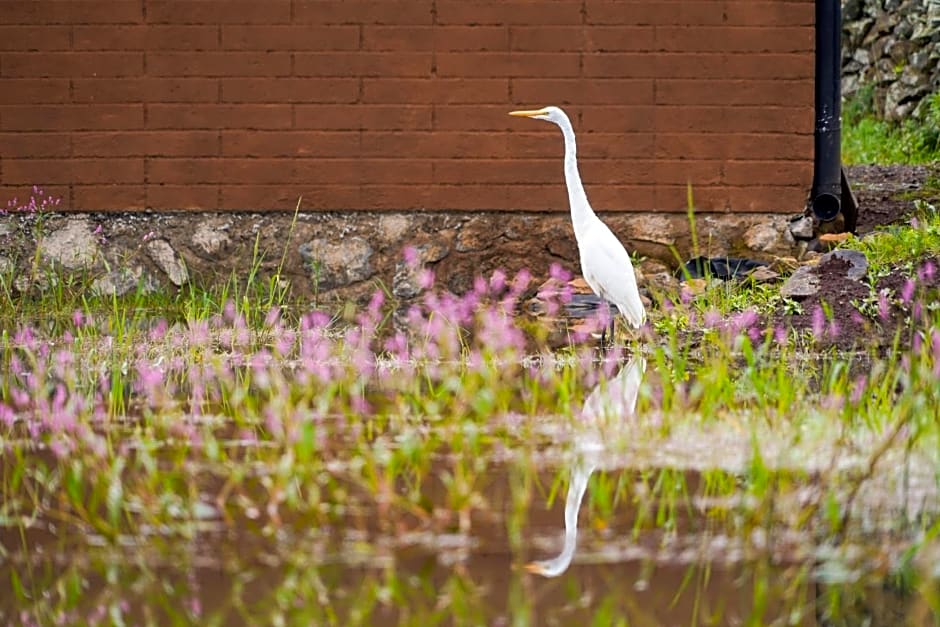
(704, 571)
(662, 524)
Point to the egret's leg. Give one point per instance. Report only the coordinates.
(608, 330)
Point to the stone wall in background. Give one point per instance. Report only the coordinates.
(893, 46)
(336, 257)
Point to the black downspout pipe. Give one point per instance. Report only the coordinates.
(826, 195)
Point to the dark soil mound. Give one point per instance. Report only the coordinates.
(886, 192)
(859, 318)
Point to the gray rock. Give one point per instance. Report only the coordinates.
(651, 228)
(862, 57)
(405, 281)
(765, 237)
(851, 10)
(337, 263)
(476, 234)
(920, 60)
(432, 250)
(763, 274)
(801, 284)
(393, 228)
(805, 281)
(901, 100)
(857, 31)
(802, 228)
(210, 238)
(850, 85)
(74, 246)
(858, 262)
(7, 267)
(124, 281)
(22, 283)
(168, 260)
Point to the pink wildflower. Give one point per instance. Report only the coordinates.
(884, 308)
(819, 321)
(712, 319)
(907, 292)
(558, 273)
(426, 279)
(497, 281)
(927, 271)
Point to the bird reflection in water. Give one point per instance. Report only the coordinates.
(611, 400)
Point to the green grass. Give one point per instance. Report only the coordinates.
(867, 139)
(902, 244)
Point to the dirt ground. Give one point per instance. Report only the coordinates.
(886, 192)
(886, 196)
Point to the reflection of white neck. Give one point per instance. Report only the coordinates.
(579, 481)
(615, 400)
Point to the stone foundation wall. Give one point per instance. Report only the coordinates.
(893, 46)
(345, 256)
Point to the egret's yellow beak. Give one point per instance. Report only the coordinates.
(531, 113)
(534, 567)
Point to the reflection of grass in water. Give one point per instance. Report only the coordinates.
(274, 421)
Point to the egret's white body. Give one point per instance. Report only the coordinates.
(614, 401)
(605, 264)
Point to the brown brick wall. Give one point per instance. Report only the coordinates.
(401, 104)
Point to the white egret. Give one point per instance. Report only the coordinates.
(605, 264)
(611, 401)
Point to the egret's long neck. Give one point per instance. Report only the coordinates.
(580, 209)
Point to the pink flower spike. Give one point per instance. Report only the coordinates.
(819, 321)
(780, 334)
(557, 272)
(745, 320)
(929, 270)
(498, 281)
(377, 300)
(884, 308)
(521, 281)
(755, 334)
(272, 316)
(426, 279)
(410, 255)
(7, 417)
(935, 349)
(907, 292)
(858, 390)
